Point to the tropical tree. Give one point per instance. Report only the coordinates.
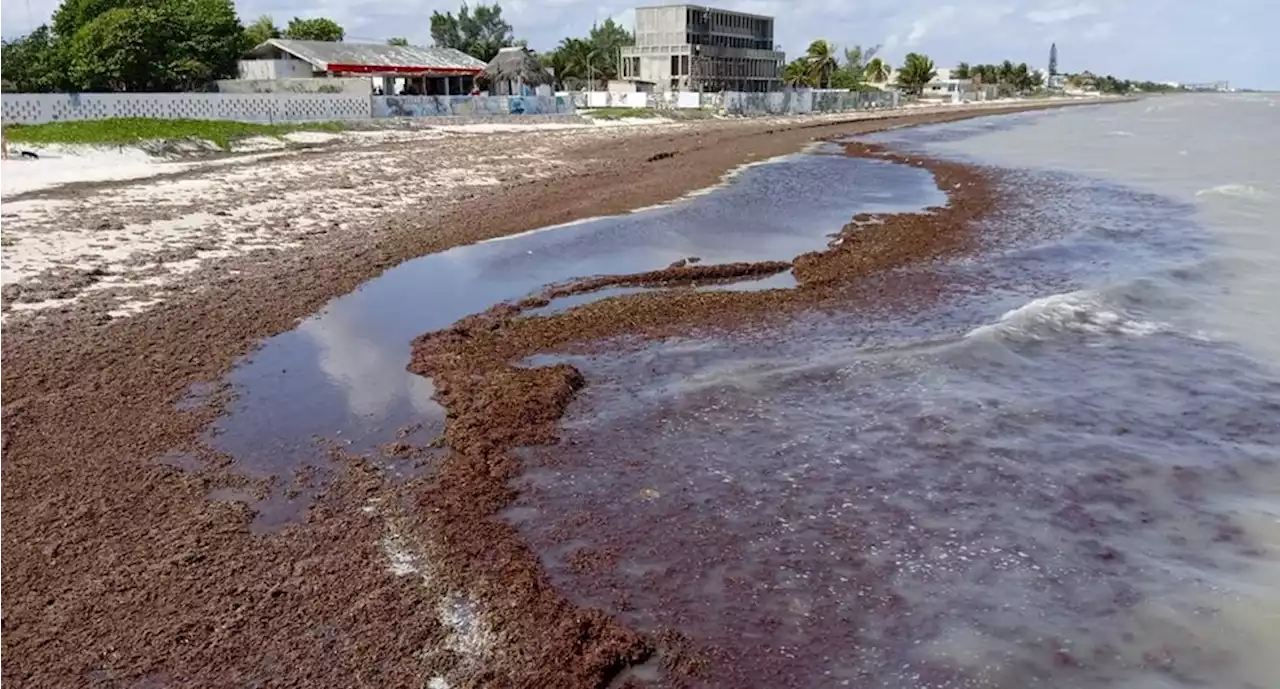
(852, 73)
(314, 29)
(398, 40)
(917, 70)
(72, 15)
(821, 58)
(117, 45)
(478, 31)
(259, 32)
(119, 50)
(31, 64)
(961, 71)
(1005, 73)
(798, 74)
(1022, 78)
(574, 61)
(592, 58)
(1110, 84)
(1008, 77)
(878, 71)
(607, 40)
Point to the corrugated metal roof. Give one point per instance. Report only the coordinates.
(325, 53)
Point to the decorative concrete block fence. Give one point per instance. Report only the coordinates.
(35, 108)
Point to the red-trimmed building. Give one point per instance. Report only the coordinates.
(430, 71)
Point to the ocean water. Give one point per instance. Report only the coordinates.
(1065, 474)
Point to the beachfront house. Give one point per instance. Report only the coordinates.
(944, 86)
(286, 64)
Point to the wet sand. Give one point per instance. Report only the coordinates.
(122, 573)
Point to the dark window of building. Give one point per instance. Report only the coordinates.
(675, 65)
(684, 64)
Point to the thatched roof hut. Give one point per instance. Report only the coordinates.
(513, 68)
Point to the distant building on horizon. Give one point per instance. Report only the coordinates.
(697, 48)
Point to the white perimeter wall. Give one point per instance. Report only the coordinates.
(274, 69)
(34, 108)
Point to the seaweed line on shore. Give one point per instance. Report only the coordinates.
(495, 406)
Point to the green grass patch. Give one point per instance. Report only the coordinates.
(622, 113)
(129, 130)
(648, 113)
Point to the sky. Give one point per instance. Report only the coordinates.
(1160, 40)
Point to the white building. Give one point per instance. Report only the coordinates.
(944, 85)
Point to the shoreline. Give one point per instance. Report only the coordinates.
(496, 406)
(102, 533)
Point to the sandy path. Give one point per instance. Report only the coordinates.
(122, 571)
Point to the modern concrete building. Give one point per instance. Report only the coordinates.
(696, 48)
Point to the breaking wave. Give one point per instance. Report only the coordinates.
(1238, 191)
(1082, 312)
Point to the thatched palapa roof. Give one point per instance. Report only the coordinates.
(518, 64)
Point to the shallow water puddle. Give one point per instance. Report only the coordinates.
(341, 374)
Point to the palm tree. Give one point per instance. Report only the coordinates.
(852, 72)
(917, 70)
(797, 74)
(1022, 78)
(574, 60)
(961, 71)
(878, 71)
(856, 58)
(1005, 73)
(821, 57)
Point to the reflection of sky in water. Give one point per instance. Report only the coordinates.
(342, 372)
(371, 374)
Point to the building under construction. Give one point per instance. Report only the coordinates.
(693, 48)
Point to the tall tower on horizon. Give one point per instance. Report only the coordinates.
(1053, 60)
